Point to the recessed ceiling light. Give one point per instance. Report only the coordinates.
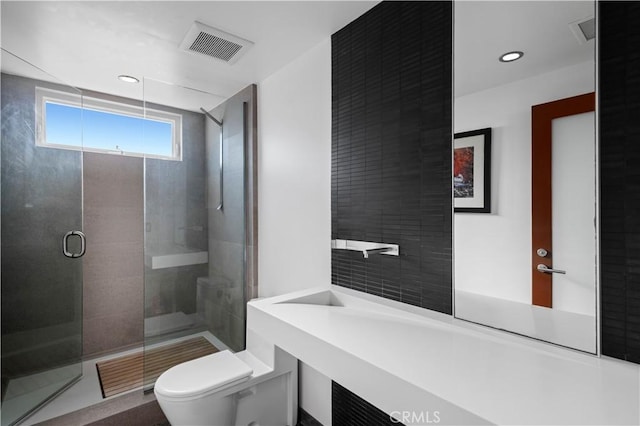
(128, 79)
(511, 56)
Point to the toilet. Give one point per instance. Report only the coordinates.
(225, 389)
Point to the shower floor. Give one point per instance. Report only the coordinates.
(87, 392)
(129, 372)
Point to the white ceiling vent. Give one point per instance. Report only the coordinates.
(214, 43)
(584, 29)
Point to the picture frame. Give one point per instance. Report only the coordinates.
(472, 171)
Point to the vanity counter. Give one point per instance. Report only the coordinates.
(404, 359)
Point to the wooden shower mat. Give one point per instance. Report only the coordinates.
(130, 371)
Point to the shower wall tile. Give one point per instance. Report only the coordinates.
(391, 151)
(226, 261)
(172, 289)
(106, 293)
(176, 191)
(113, 224)
(111, 333)
(113, 264)
(111, 261)
(225, 311)
(112, 181)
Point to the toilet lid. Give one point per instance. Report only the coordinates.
(202, 375)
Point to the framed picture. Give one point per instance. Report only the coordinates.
(472, 171)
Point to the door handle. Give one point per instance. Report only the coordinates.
(65, 245)
(544, 268)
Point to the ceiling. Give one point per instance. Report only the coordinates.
(87, 44)
(485, 30)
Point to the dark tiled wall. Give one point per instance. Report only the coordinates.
(391, 151)
(619, 35)
(306, 419)
(349, 409)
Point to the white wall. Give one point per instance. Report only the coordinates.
(492, 252)
(315, 394)
(294, 175)
(294, 192)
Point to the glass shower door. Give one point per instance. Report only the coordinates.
(41, 247)
(196, 241)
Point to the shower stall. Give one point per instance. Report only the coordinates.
(120, 243)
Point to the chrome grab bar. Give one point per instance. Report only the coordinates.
(544, 268)
(83, 244)
(221, 174)
(221, 162)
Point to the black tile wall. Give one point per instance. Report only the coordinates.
(351, 410)
(306, 419)
(619, 96)
(391, 151)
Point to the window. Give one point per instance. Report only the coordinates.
(69, 121)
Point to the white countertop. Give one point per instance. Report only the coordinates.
(402, 358)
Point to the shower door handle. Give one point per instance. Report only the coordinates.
(65, 244)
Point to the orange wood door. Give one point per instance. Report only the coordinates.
(542, 117)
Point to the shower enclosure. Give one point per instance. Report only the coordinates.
(41, 282)
(196, 224)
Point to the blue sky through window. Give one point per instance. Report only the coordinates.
(70, 125)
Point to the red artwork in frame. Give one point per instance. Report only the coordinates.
(472, 171)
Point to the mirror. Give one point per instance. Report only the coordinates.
(526, 261)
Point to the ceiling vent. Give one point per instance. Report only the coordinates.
(214, 43)
(584, 29)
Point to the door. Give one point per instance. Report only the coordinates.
(563, 228)
(41, 220)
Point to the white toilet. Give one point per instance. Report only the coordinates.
(225, 389)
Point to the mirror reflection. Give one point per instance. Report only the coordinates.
(526, 261)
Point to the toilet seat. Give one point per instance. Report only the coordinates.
(201, 376)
